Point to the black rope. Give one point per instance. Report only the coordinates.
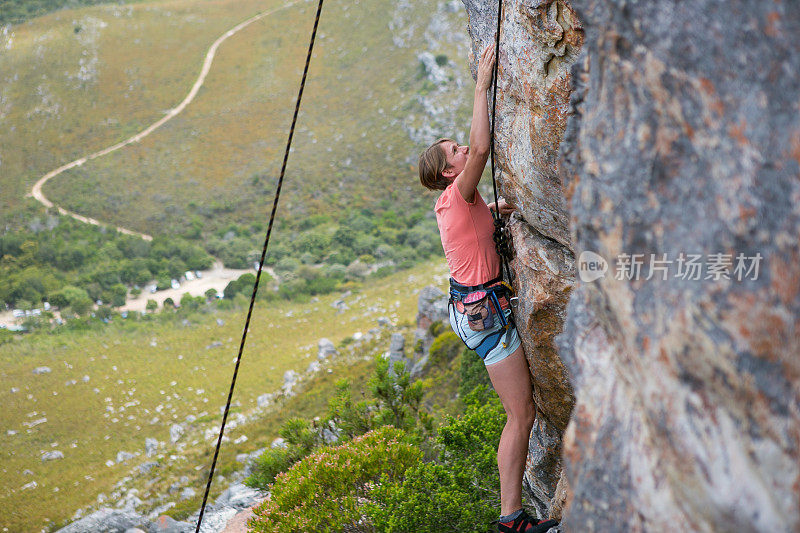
(501, 239)
(260, 266)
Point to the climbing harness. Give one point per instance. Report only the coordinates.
(260, 265)
(483, 305)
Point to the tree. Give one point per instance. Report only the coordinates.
(151, 306)
(118, 293)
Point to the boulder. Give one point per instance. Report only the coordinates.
(124, 456)
(42, 370)
(52, 455)
(431, 306)
(105, 520)
(175, 432)
(326, 349)
(150, 446)
(396, 351)
(166, 524)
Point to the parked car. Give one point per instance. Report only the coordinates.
(18, 313)
(189, 275)
(175, 284)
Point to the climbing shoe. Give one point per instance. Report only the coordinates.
(525, 523)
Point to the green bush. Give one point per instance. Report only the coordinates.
(5, 336)
(473, 373)
(445, 347)
(300, 439)
(459, 488)
(326, 491)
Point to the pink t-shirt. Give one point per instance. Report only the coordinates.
(466, 230)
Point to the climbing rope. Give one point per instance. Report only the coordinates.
(260, 266)
(502, 239)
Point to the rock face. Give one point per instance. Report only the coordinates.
(686, 139)
(539, 42)
(676, 378)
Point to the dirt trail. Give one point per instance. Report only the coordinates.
(36, 191)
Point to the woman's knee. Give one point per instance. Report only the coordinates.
(524, 416)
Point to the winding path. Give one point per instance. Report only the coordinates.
(36, 191)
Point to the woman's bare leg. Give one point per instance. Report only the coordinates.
(511, 379)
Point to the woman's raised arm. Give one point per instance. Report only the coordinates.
(479, 140)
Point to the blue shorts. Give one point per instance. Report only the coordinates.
(473, 339)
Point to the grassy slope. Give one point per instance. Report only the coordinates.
(350, 149)
(49, 115)
(122, 363)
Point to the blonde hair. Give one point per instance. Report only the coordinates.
(432, 163)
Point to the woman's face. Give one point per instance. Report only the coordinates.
(456, 156)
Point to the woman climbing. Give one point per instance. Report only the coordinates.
(479, 309)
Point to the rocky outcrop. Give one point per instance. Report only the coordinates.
(539, 42)
(686, 140)
(677, 375)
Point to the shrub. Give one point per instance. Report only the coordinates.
(460, 488)
(327, 490)
(5, 336)
(473, 373)
(300, 438)
(445, 348)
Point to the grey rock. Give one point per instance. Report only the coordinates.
(42, 370)
(279, 443)
(187, 493)
(418, 368)
(175, 432)
(124, 456)
(239, 496)
(431, 306)
(105, 520)
(166, 524)
(326, 349)
(396, 351)
(52, 455)
(144, 468)
(264, 400)
(150, 446)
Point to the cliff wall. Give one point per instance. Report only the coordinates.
(673, 372)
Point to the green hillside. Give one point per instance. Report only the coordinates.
(118, 69)
(111, 387)
(75, 82)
